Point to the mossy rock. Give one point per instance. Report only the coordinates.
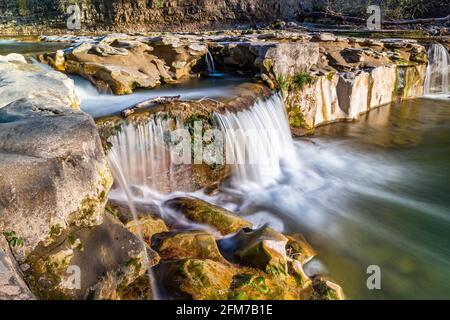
(202, 212)
(263, 248)
(140, 289)
(299, 249)
(186, 245)
(198, 279)
(148, 223)
(325, 288)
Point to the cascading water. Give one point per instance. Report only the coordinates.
(212, 71)
(258, 142)
(210, 63)
(438, 71)
(143, 154)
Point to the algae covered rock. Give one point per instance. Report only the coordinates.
(263, 248)
(326, 289)
(148, 223)
(187, 244)
(299, 249)
(198, 279)
(202, 212)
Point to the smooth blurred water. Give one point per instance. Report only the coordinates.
(374, 192)
(29, 48)
(104, 104)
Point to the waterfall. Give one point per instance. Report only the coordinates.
(210, 63)
(142, 152)
(258, 142)
(436, 81)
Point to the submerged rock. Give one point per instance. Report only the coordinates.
(202, 212)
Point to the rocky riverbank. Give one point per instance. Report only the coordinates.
(324, 78)
(55, 178)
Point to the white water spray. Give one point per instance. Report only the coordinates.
(438, 70)
(258, 142)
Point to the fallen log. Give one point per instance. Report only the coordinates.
(148, 103)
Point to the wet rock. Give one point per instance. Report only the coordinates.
(186, 245)
(251, 284)
(202, 212)
(140, 289)
(12, 285)
(299, 249)
(326, 289)
(197, 279)
(263, 248)
(148, 223)
(21, 80)
(123, 63)
(53, 172)
(13, 57)
(107, 259)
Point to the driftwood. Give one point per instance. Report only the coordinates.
(343, 18)
(148, 103)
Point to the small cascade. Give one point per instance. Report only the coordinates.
(142, 151)
(437, 76)
(258, 142)
(212, 71)
(210, 63)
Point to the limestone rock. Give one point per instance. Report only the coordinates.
(53, 172)
(123, 63)
(202, 212)
(12, 285)
(22, 80)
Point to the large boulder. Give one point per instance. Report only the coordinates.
(53, 172)
(108, 258)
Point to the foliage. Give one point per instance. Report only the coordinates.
(301, 80)
(12, 239)
(283, 83)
